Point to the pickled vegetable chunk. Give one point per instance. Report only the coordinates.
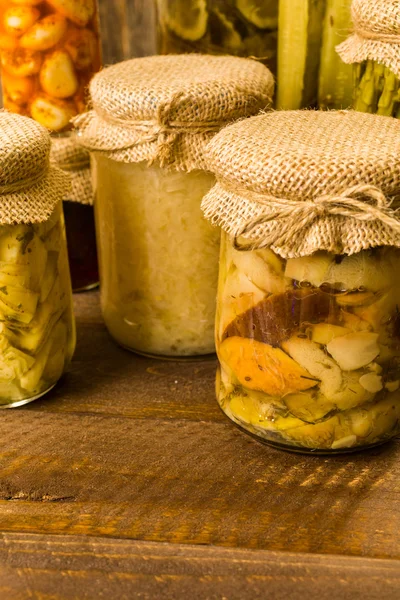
(49, 51)
(37, 335)
(317, 366)
(239, 27)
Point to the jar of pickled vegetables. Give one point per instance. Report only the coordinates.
(37, 331)
(69, 156)
(308, 323)
(151, 120)
(49, 51)
(374, 50)
(238, 27)
(310, 73)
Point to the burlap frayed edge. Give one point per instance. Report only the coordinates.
(37, 203)
(338, 235)
(357, 49)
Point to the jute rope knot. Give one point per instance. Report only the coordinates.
(360, 202)
(389, 38)
(162, 130)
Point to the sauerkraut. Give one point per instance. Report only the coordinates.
(37, 335)
(158, 258)
(309, 348)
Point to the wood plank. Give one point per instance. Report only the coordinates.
(155, 460)
(127, 29)
(105, 379)
(67, 568)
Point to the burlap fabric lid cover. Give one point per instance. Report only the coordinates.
(29, 188)
(74, 160)
(167, 108)
(376, 34)
(301, 181)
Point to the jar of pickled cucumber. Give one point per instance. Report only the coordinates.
(374, 50)
(49, 51)
(69, 156)
(151, 120)
(37, 330)
(239, 27)
(308, 322)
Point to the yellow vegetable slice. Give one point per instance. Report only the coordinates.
(309, 407)
(261, 13)
(18, 303)
(188, 19)
(259, 366)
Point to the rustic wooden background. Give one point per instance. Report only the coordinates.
(128, 29)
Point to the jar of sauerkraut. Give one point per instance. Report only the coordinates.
(308, 323)
(373, 49)
(158, 257)
(37, 331)
(238, 27)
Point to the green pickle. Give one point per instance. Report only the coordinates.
(238, 27)
(309, 348)
(376, 89)
(37, 335)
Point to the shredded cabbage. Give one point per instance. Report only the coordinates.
(158, 258)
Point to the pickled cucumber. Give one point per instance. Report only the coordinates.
(316, 366)
(36, 323)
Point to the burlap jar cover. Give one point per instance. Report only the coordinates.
(29, 187)
(167, 108)
(74, 160)
(301, 181)
(376, 34)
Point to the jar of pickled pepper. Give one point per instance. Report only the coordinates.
(49, 51)
(151, 120)
(37, 329)
(239, 27)
(374, 50)
(308, 325)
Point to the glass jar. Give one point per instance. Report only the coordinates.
(238, 27)
(158, 258)
(373, 51)
(37, 328)
(49, 51)
(152, 121)
(309, 348)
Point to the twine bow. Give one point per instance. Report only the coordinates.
(161, 130)
(361, 202)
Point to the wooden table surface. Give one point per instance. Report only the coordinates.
(127, 481)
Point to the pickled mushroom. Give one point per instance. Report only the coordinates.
(354, 350)
(275, 319)
(259, 366)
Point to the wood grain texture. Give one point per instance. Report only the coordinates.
(136, 448)
(71, 568)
